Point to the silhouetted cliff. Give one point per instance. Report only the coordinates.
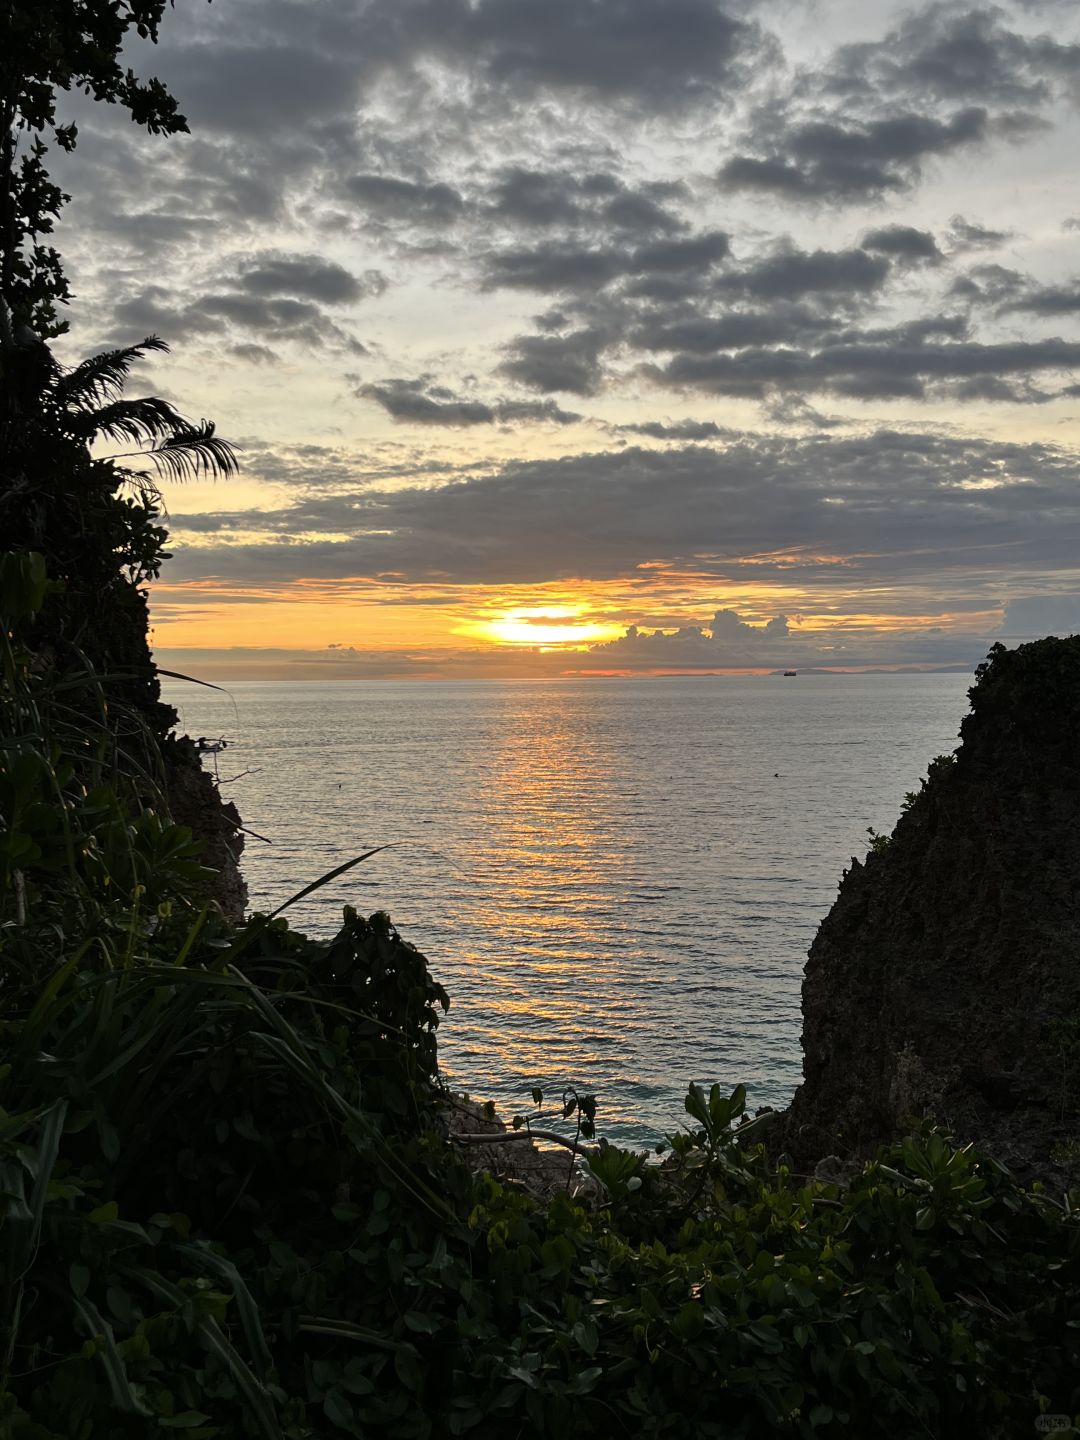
(945, 981)
(95, 522)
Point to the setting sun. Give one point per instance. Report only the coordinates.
(554, 625)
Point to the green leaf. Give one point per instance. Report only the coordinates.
(407, 1367)
(338, 1409)
(587, 1336)
(584, 1380)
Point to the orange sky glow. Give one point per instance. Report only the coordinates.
(507, 630)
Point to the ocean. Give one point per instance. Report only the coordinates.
(615, 879)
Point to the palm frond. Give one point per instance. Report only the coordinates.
(102, 377)
(193, 451)
(91, 395)
(135, 421)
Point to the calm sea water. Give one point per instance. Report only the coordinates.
(616, 880)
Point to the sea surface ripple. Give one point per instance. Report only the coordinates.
(616, 880)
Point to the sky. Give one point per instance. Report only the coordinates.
(568, 337)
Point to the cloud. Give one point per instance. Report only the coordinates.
(682, 430)
(727, 641)
(850, 159)
(595, 200)
(692, 650)
(477, 153)
(562, 266)
(400, 144)
(273, 295)
(734, 329)
(255, 354)
(863, 125)
(889, 507)
(880, 366)
(553, 363)
(793, 274)
(260, 87)
(797, 410)
(421, 402)
(1049, 300)
(772, 301)
(989, 284)
(309, 276)
(1028, 617)
(662, 54)
(280, 319)
(902, 241)
(970, 235)
(941, 52)
(391, 197)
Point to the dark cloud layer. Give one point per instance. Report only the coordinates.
(881, 368)
(558, 267)
(308, 276)
(388, 196)
(596, 200)
(887, 506)
(609, 49)
(496, 133)
(851, 159)
(270, 297)
(550, 363)
(422, 402)
(944, 81)
(902, 241)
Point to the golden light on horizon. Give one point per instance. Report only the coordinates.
(547, 626)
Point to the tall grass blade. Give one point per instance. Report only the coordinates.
(35, 1020)
(190, 938)
(124, 1397)
(325, 880)
(176, 675)
(253, 1391)
(246, 1307)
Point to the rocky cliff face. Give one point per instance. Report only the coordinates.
(195, 801)
(945, 981)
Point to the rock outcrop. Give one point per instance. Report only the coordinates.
(945, 981)
(195, 801)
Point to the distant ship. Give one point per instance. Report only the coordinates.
(791, 672)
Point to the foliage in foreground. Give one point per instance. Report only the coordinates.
(228, 1206)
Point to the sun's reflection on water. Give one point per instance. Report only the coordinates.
(611, 879)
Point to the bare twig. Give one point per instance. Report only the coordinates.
(243, 773)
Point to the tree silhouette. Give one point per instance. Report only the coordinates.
(94, 515)
(47, 46)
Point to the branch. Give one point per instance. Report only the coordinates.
(503, 1137)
